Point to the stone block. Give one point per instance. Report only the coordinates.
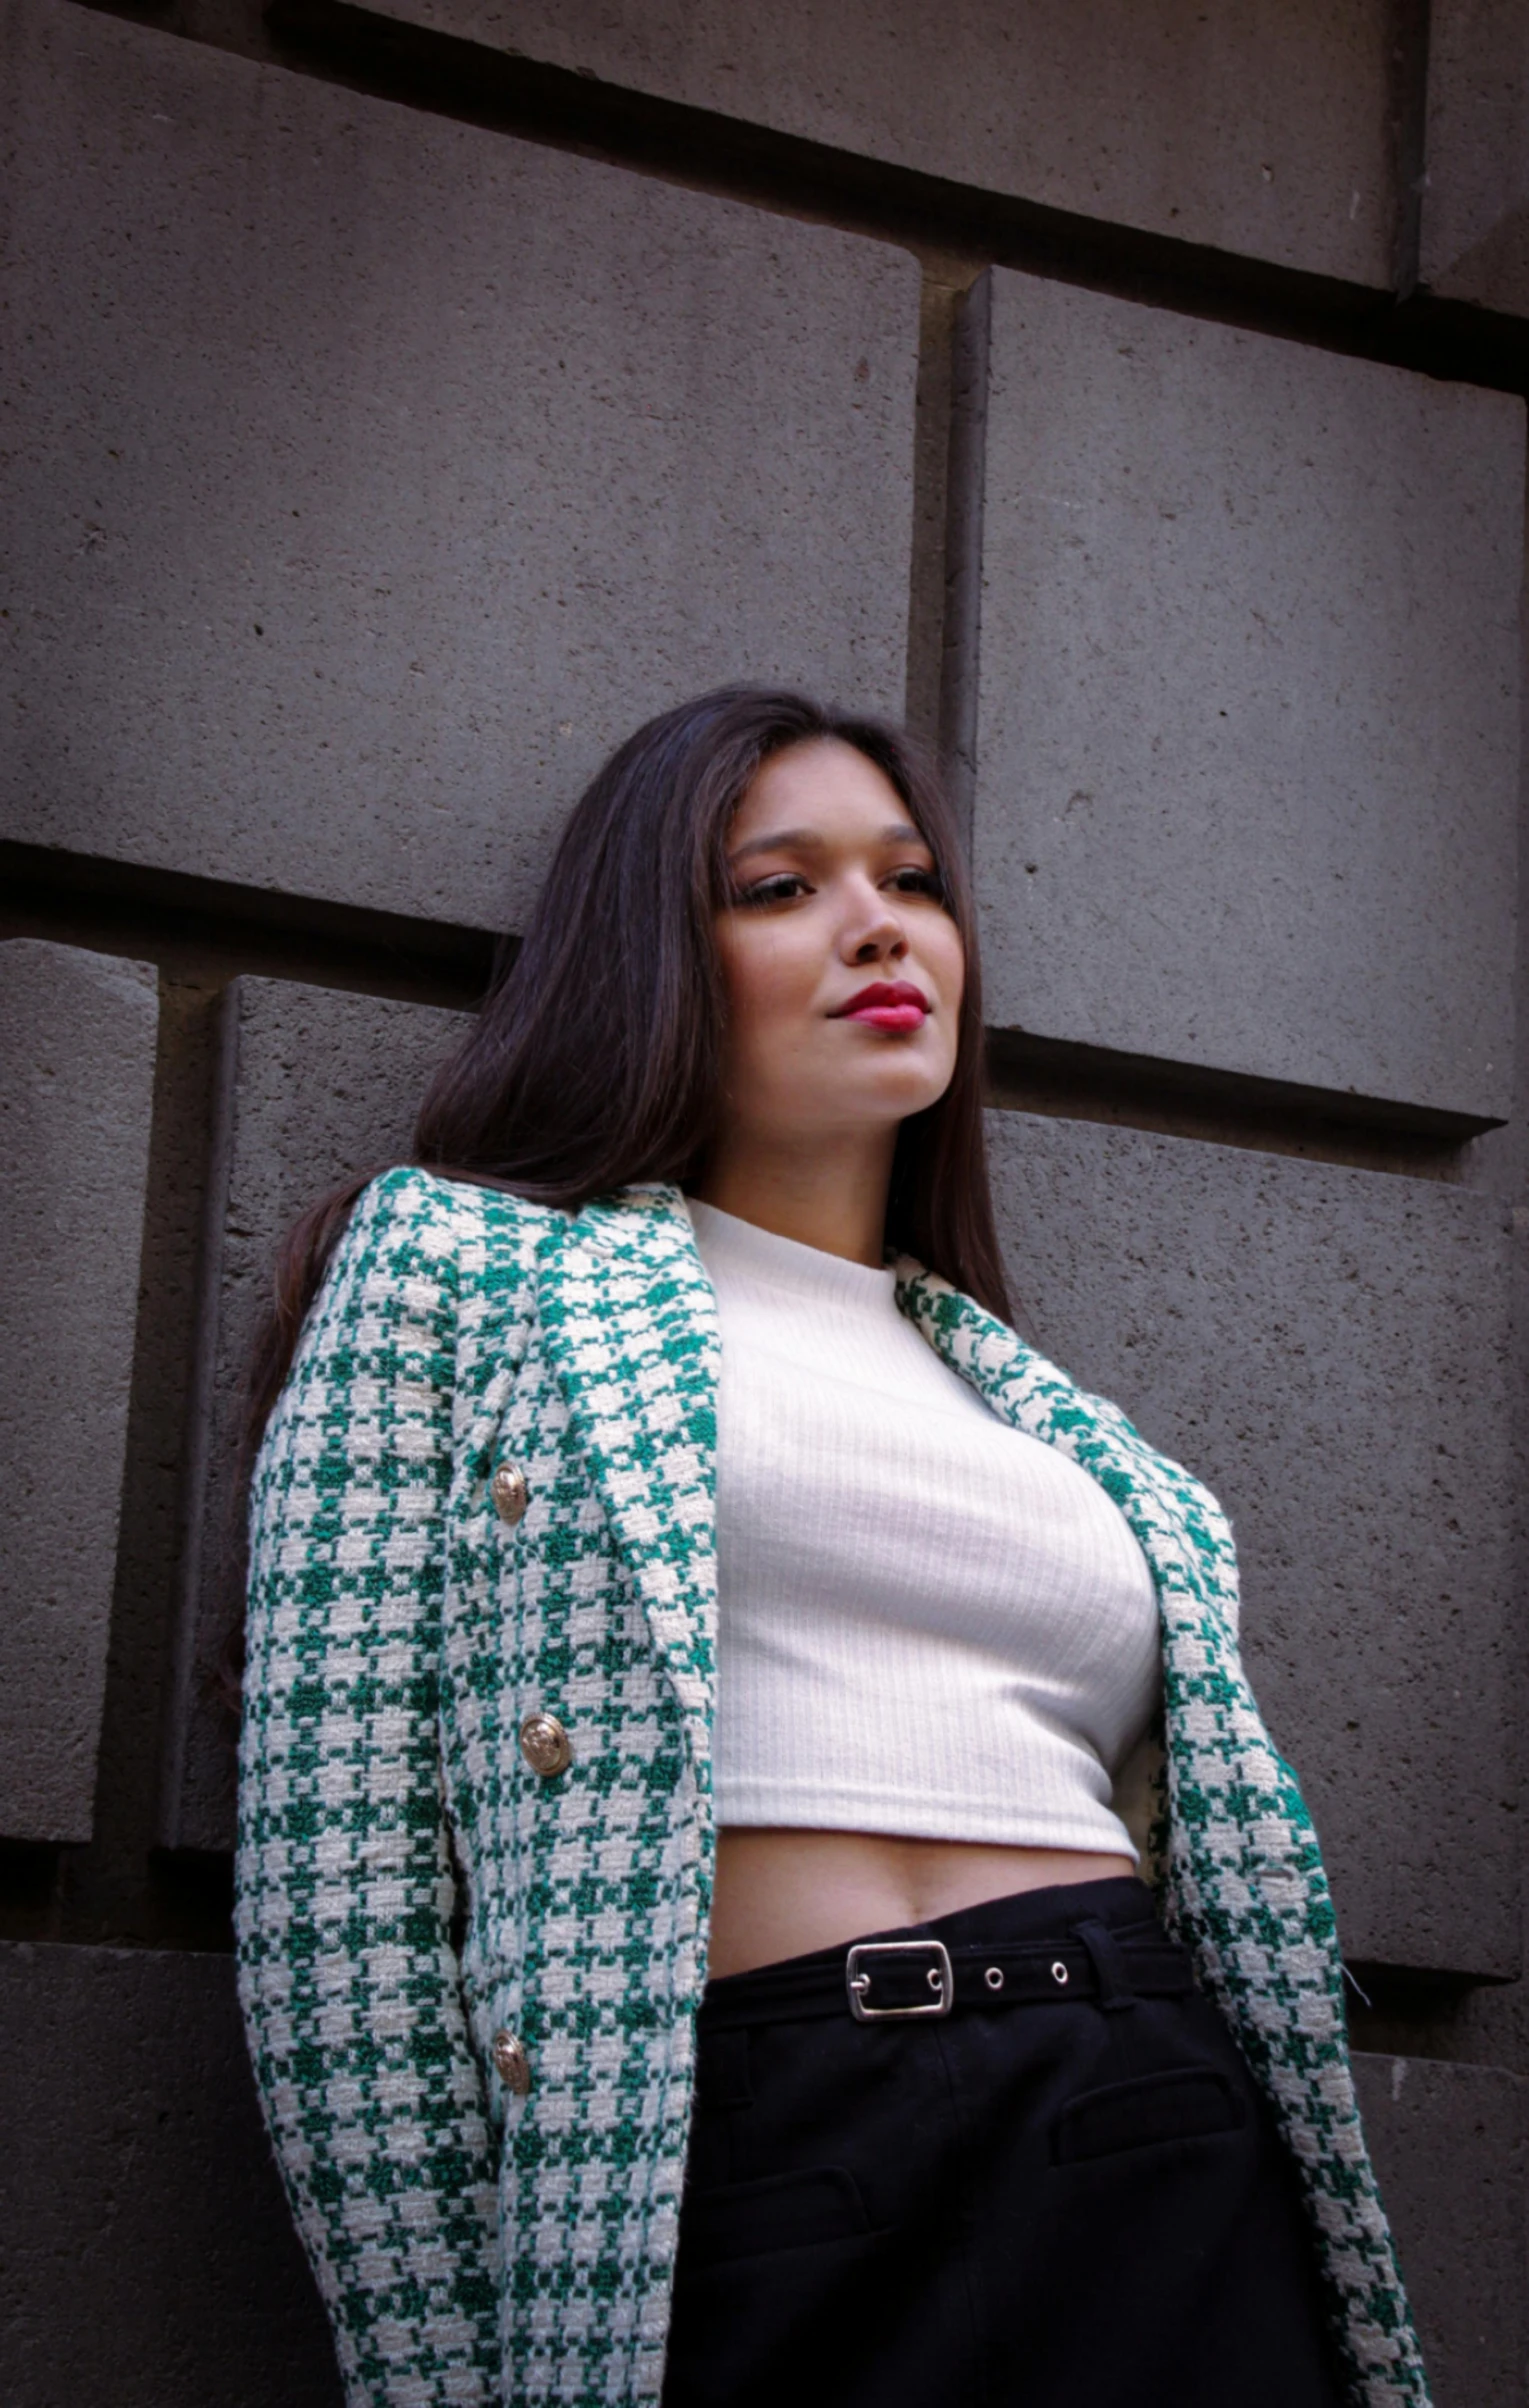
(1261, 129)
(149, 2256)
(1475, 230)
(370, 475)
(314, 1086)
(1448, 2145)
(1329, 1349)
(76, 1104)
(1247, 703)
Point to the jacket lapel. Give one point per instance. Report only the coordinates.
(630, 1322)
(1181, 1529)
(1239, 1823)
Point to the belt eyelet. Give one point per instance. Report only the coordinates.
(1059, 1974)
(994, 1977)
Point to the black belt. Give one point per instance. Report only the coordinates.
(908, 1979)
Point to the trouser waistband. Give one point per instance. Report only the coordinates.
(1095, 1942)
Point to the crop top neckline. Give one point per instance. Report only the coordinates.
(787, 1266)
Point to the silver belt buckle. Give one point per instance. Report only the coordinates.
(938, 1976)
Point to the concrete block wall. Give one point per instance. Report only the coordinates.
(142, 2227)
(1475, 213)
(313, 1087)
(1328, 1347)
(1289, 158)
(76, 1104)
(1247, 697)
(430, 468)
(1448, 2142)
(406, 401)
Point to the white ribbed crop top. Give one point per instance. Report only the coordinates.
(929, 1623)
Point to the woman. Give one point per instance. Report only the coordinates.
(689, 1670)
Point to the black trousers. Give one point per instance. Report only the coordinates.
(1065, 2192)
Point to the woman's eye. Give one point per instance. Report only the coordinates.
(789, 886)
(783, 887)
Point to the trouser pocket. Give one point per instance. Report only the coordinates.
(1180, 2103)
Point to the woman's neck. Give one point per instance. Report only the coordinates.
(831, 1194)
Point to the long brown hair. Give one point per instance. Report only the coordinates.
(596, 1058)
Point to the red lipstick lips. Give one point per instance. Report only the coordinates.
(892, 1005)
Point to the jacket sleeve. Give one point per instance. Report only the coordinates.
(348, 1977)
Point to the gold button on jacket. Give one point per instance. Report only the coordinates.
(511, 2063)
(509, 1492)
(545, 1745)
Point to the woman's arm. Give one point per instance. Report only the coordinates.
(348, 1977)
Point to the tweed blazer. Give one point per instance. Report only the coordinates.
(408, 1885)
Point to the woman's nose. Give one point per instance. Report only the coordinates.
(871, 927)
(882, 939)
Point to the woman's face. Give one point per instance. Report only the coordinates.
(844, 971)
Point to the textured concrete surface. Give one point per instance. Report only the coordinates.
(1448, 2143)
(1247, 743)
(1475, 230)
(147, 2253)
(76, 1102)
(370, 476)
(1329, 1349)
(314, 1085)
(1261, 129)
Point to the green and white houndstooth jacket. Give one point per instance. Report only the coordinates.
(484, 2249)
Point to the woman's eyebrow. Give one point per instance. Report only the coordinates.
(807, 840)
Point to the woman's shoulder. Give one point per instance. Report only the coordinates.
(426, 1264)
(408, 1207)
(430, 1249)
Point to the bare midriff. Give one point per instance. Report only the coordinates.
(784, 1893)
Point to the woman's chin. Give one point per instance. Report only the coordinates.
(882, 1103)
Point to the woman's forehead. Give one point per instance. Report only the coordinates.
(821, 793)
